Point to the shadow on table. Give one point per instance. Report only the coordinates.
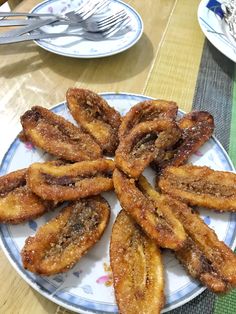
(107, 69)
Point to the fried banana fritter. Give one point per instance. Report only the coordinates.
(204, 256)
(95, 116)
(62, 241)
(146, 140)
(57, 136)
(147, 110)
(70, 181)
(137, 268)
(196, 127)
(201, 186)
(17, 202)
(158, 223)
(199, 267)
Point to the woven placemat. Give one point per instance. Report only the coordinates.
(214, 90)
(214, 93)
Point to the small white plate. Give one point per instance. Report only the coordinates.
(216, 31)
(78, 47)
(85, 288)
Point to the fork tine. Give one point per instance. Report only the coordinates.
(114, 22)
(84, 6)
(103, 4)
(96, 6)
(111, 20)
(112, 17)
(113, 30)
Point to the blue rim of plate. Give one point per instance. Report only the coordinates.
(217, 37)
(88, 56)
(70, 300)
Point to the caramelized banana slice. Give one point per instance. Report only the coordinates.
(201, 186)
(158, 223)
(147, 110)
(57, 136)
(70, 181)
(207, 258)
(137, 268)
(17, 202)
(162, 207)
(200, 249)
(61, 242)
(197, 127)
(95, 116)
(143, 143)
(199, 267)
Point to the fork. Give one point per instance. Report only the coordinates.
(87, 9)
(98, 25)
(84, 34)
(91, 25)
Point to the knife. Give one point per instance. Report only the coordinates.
(10, 14)
(28, 28)
(17, 39)
(20, 22)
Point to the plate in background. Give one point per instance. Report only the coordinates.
(216, 30)
(81, 48)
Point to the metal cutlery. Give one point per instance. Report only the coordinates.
(98, 24)
(90, 7)
(15, 22)
(28, 28)
(96, 36)
(92, 24)
(87, 9)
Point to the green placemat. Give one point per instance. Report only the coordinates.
(216, 92)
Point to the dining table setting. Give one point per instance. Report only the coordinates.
(125, 57)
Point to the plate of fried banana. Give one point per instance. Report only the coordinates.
(119, 203)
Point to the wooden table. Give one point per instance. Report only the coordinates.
(163, 64)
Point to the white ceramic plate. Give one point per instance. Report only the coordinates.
(85, 288)
(216, 31)
(81, 48)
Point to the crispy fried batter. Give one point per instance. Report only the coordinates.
(162, 207)
(17, 202)
(70, 181)
(201, 186)
(137, 268)
(199, 267)
(197, 127)
(158, 223)
(143, 143)
(204, 256)
(95, 116)
(61, 242)
(147, 110)
(57, 136)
